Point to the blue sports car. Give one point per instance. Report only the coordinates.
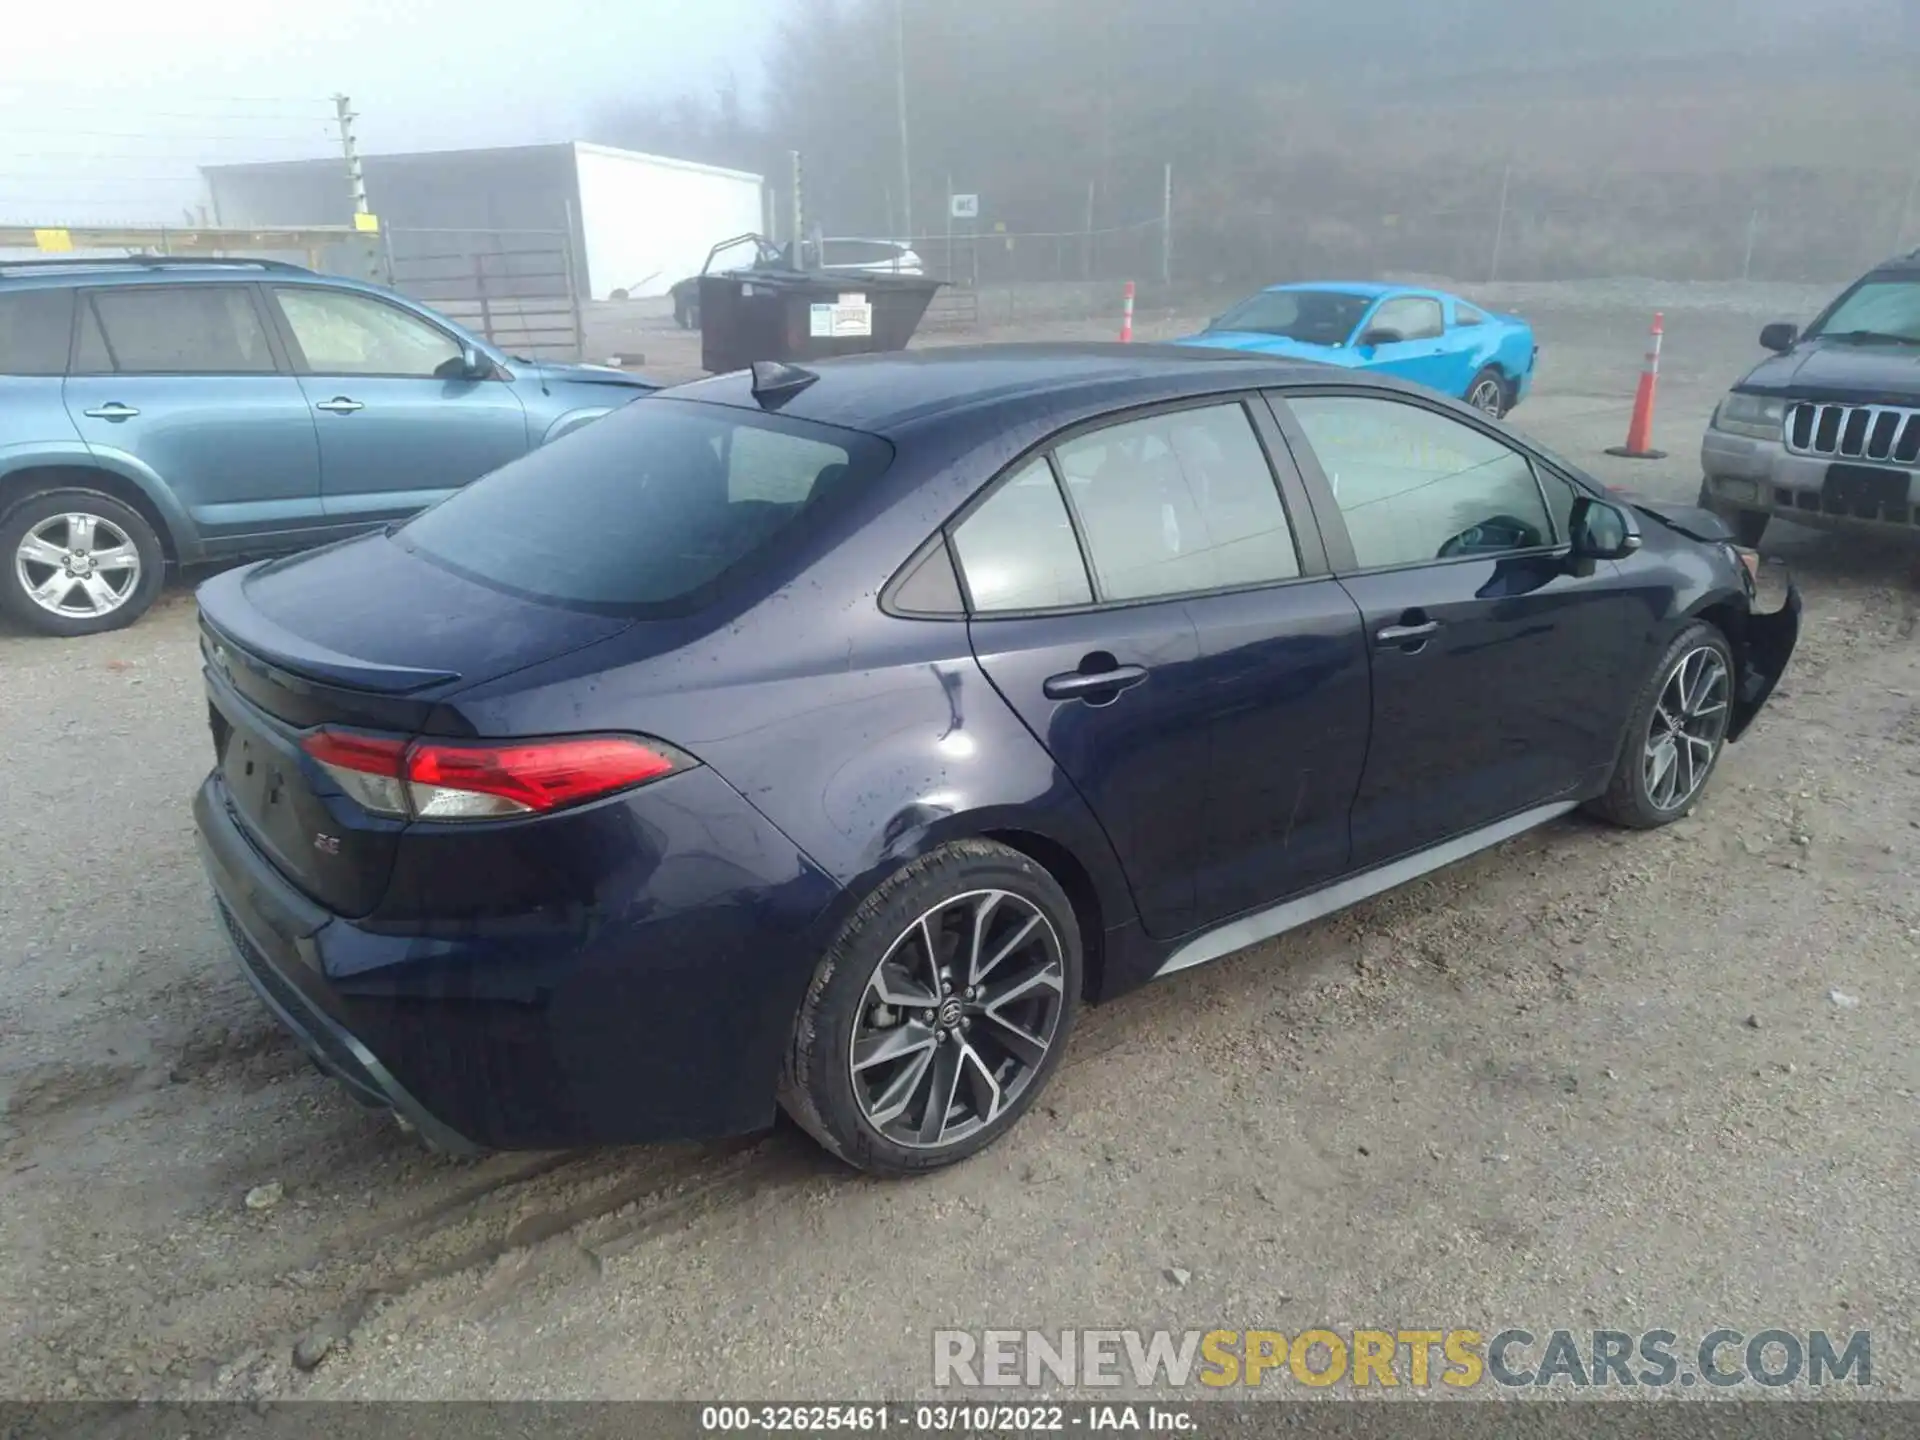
(1427, 336)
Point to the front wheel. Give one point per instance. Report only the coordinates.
(1748, 526)
(1489, 394)
(1675, 733)
(939, 1013)
(78, 562)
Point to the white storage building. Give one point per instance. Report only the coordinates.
(632, 222)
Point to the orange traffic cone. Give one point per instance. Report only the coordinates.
(1639, 444)
(1126, 317)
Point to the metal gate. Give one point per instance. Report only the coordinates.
(518, 288)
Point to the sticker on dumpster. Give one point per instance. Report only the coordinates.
(850, 317)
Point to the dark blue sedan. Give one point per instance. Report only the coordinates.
(827, 739)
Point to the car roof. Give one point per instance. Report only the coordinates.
(162, 270)
(1368, 289)
(1908, 264)
(898, 392)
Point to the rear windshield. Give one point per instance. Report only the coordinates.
(648, 509)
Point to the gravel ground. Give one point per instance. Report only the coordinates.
(1588, 1079)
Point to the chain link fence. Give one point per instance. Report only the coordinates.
(1474, 225)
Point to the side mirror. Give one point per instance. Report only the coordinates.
(1380, 335)
(1780, 337)
(1600, 531)
(474, 365)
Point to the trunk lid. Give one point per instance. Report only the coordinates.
(361, 636)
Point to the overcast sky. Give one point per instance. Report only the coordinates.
(107, 106)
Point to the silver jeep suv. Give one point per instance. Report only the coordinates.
(1826, 431)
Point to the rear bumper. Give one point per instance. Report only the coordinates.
(1763, 476)
(664, 1021)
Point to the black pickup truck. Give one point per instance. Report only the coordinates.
(1826, 430)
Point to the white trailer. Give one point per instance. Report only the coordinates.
(648, 222)
(639, 223)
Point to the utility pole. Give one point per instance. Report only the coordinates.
(356, 179)
(799, 212)
(900, 87)
(1086, 248)
(1753, 234)
(1166, 228)
(1500, 226)
(1906, 211)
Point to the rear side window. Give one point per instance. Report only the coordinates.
(1017, 550)
(176, 330)
(1179, 503)
(1411, 317)
(1465, 314)
(649, 509)
(35, 326)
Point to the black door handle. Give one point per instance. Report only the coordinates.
(1100, 684)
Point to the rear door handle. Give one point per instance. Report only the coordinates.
(1078, 685)
(1408, 634)
(112, 411)
(340, 405)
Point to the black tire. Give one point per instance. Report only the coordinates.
(1749, 526)
(1489, 392)
(140, 589)
(1630, 799)
(946, 888)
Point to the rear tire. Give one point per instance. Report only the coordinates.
(103, 549)
(938, 1014)
(1489, 393)
(1675, 733)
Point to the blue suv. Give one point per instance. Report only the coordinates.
(158, 411)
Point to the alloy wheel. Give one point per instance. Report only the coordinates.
(77, 565)
(957, 1019)
(1688, 723)
(1487, 396)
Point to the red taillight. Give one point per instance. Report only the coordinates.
(478, 781)
(368, 767)
(447, 780)
(366, 754)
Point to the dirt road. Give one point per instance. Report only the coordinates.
(1587, 1079)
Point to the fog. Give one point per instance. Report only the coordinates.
(1703, 137)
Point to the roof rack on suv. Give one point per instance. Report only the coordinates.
(148, 262)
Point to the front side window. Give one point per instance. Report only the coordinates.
(648, 509)
(1018, 552)
(1416, 486)
(341, 333)
(1411, 317)
(1179, 503)
(174, 330)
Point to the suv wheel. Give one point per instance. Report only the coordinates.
(939, 1013)
(78, 562)
(1748, 526)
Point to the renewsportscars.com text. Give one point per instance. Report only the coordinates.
(1460, 1359)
